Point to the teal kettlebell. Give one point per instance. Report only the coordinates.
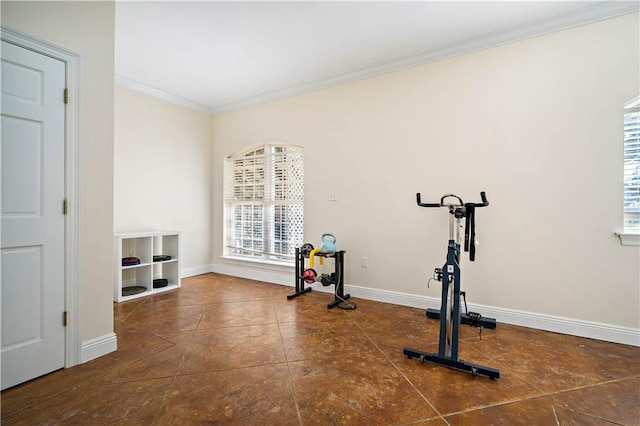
(328, 243)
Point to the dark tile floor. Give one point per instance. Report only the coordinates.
(224, 350)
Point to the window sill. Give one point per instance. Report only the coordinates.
(258, 261)
(629, 238)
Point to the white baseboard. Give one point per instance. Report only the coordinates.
(593, 330)
(575, 327)
(394, 297)
(196, 270)
(95, 348)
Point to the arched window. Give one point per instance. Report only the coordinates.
(632, 166)
(264, 202)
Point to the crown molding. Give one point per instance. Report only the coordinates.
(600, 11)
(590, 14)
(123, 81)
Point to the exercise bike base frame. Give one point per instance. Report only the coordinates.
(464, 318)
(458, 364)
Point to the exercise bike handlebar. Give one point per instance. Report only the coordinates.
(484, 203)
(425, 204)
(483, 197)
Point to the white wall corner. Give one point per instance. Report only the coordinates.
(100, 346)
(123, 81)
(196, 270)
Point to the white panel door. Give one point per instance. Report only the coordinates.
(33, 275)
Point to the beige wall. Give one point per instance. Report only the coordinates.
(536, 124)
(87, 29)
(163, 172)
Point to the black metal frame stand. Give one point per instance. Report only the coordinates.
(300, 288)
(339, 295)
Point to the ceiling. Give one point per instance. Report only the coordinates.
(223, 56)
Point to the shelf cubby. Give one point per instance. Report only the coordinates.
(139, 278)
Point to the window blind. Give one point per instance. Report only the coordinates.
(264, 203)
(632, 168)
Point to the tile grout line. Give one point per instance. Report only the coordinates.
(401, 373)
(144, 300)
(164, 398)
(295, 398)
(184, 354)
(606, 382)
(555, 415)
(585, 414)
(293, 388)
(546, 394)
(541, 393)
(35, 404)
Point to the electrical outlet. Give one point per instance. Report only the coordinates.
(333, 196)
(364, 262)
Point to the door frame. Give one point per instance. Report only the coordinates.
(72, 171)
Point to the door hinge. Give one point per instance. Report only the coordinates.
(66, 95)
(64, 318)
(64, 206)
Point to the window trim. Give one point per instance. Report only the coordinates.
(629, 238)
